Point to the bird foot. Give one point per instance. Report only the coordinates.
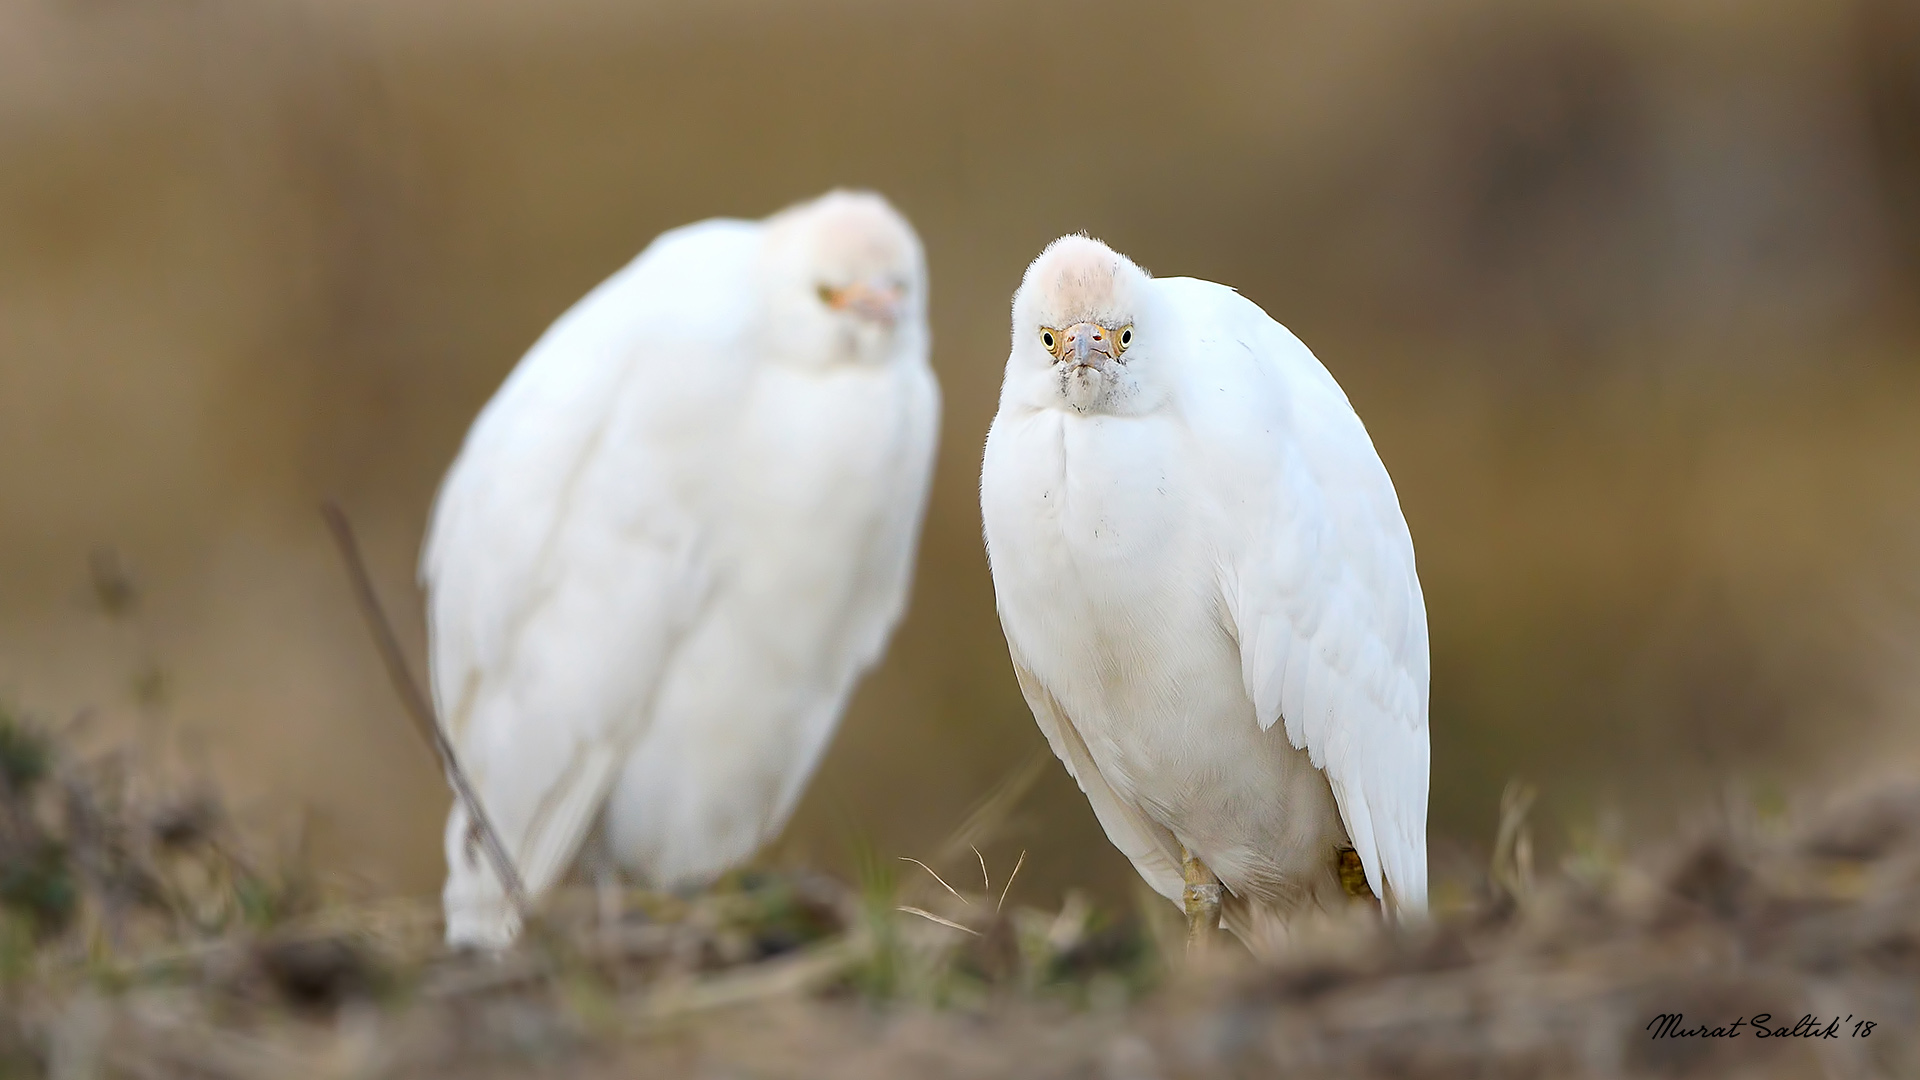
(1201, 898)
(1353, 876)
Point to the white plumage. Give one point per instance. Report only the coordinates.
(673, 541)
(1193, 541)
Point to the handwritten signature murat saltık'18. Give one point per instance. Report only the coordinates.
(1675, 1026)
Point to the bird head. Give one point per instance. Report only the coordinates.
(845, 280)
(1082, 325)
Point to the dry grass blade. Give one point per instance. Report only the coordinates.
(1018, 863)
(938, 878)
(931, 917)
(986, 883)
(415, 703)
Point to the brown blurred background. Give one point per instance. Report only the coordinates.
(1628, 294)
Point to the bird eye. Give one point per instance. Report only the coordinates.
(1046, 338)
(1126, 337)
(826, 294)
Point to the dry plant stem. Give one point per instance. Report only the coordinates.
(1201, 898)
(416, 705)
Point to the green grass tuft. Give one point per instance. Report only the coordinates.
(26, 754)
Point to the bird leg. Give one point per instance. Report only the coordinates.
(596, 858)
(1201, 898)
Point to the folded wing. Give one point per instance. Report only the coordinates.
(565, 556)
(1322, 592)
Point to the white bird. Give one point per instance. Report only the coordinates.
(1193, 542)
(673, 541)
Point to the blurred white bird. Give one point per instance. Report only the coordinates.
(1192, 540)
(673, 541)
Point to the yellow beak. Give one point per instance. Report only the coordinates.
(1082, 341)
(875, 303)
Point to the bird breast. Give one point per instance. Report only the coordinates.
(823, 467)
(1105, 577)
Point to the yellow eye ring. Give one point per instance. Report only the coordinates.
(1047, 339)
(1126, 337)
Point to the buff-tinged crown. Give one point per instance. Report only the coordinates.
(1080, 279)
(849, 234)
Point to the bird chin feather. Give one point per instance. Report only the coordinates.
(1099, 387)
(1084, 388)
(865, 343)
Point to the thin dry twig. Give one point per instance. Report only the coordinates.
(986, 883)
(938, 878)
(415, 703)
(1017, 864)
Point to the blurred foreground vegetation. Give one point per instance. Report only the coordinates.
(138, 939)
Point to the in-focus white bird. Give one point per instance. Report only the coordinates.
(673, 541)
(1208, 590)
